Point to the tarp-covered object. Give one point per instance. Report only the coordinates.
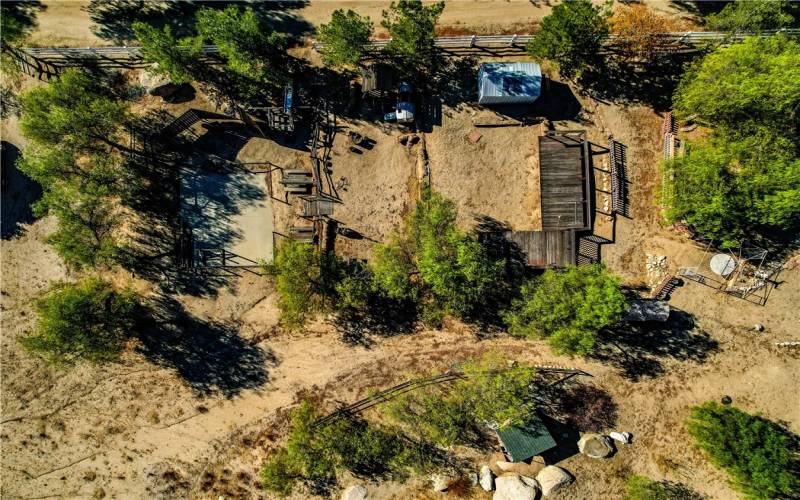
(509, 83)
(647, 310)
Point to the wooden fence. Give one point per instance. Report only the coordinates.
(48, 61)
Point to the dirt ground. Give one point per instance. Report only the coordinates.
(199, 422)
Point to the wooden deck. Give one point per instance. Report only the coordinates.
(563, 160)
(544, 249)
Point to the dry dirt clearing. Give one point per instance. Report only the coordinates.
(198, 423)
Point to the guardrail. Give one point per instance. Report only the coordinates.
(489, 41)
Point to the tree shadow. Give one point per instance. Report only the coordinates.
(653, 84)
(18, 193)
(587, 408)
(566, 437)
(382, 317)
(210, 357)
(639, 351)
(21, 14)
(113, 19)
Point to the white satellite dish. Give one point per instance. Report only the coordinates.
(722, 264)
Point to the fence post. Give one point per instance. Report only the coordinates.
(514, 40)
(472, 41)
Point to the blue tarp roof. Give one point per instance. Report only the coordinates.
(515, 82)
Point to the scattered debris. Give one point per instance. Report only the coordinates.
(656, 266)
(758, 327)
(726, 400)
(622, 437)
(474, 137)
(788, 343)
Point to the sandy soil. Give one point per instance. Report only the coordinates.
(496, 177)
(196, 419)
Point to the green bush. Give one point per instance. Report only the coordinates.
(571, 36)
(568, 307)
(313, 453)
(492, 393)
(88, 320)
(761, 457)
(296, 269)
(345, 37)
(750, 16)
(644, 488)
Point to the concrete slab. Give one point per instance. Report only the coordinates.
(230, 211)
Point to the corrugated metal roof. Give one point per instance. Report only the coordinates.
(508, 83)
(526, 441)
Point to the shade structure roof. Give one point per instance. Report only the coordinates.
(509, 82)
(525, 441)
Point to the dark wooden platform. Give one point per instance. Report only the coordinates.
(544, 249)
(564, 181)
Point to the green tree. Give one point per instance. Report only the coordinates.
(85, 236)
(313, 452)
(492, 392)
(568, 307)
(752, 17)
(393, 269)
(296, 269)
(745, 85)
(571, 36)
(73, 111)
(760, 457)
(412, 27)
(88, 320)
(344, 38)
(173, 57)
(254, 55)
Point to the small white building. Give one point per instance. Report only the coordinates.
(509, 83)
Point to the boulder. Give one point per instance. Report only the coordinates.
(530, 482)
(622, 437)
(486, 478)
(442, 480)
(595, 446)
(156, 84)
(473, 478)
(504, 465)
(511, 487)
(355, 492)
(552, 479)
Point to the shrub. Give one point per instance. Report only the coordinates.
(492, 393)
(345, 38)
(571, 36)
(88, 320)
(759, 456)
(637, 29)
(174, 57)
(568, 307)
(296, 269)
(644, 488)
(749, 16)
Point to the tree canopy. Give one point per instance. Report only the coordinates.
(74, 128)
(344, 38)
(492, 392)
(744, 180)
(760, 456)
(88, 320)
(571, 36)
(752, 17)
(637, 28)
(412, 27)
(568, 307)
(173, 57)
(296, 269)
(750, 83)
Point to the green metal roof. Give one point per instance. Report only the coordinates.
(526, 441)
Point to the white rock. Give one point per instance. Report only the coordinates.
(552, 479)
(621, 437)
(628, 436)
(473, 478)
(355, 492)
(487, 478)
(511, 487)
(595, 446)
(504, 466)
(759, 327)
(442, 481)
